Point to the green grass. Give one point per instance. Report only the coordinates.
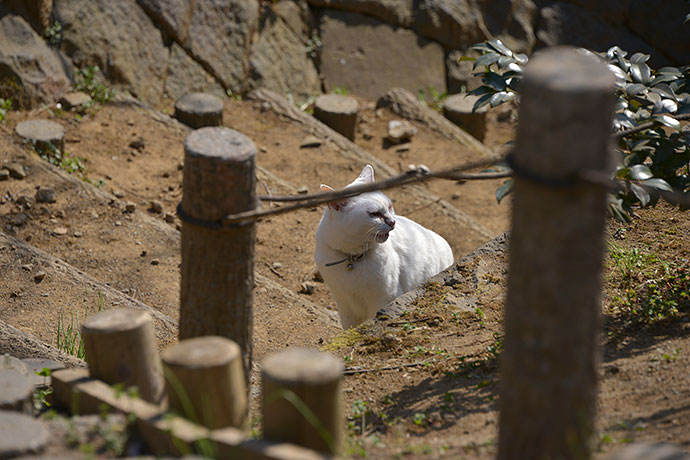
(645, 286)
(5, 106)
(69, 334)
(88, 82)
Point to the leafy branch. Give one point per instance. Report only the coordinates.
(653, 147)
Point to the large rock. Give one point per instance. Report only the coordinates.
(118, 37)
(562, 23)
(30, 71)
(185, 75)
(369, 57)
(393, 12)
(172, 16)
(661, 24)
(219, 37)
(278, 59)
(458, 24)
(35, 12)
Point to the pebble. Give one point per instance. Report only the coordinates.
(46, 195)
(307, 288)
(400, 131)
(130, 207)
(169, 218)
(118, 193)
(403, 147)
(277, 265)
(28, 267)
(137, 143)
(155, 261)
(156, 206)
(310, 142)
(16, 170)
(18, 219)
(24, 200)
(21, 435)
(303, 190)
(78, 234)
(118, 223)
(59, 231)
(38, 277)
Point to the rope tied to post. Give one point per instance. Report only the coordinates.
(422, 174)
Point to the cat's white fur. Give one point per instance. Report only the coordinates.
(399, 254)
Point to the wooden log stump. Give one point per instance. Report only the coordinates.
(44, 134)
(550, 360)
(120, 348)
(218, 261)
(458, 109)
(21, 434)
(198, 110)
(16, 392)
(302, 399)
(337, 112)
(205, 381)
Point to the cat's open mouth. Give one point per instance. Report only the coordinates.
(381, 237)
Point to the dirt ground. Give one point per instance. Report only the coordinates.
(438, 399)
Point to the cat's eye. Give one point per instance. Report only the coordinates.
(376, 214)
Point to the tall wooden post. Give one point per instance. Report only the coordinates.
(218, 263)
(552, 320)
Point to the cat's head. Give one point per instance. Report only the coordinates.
(365, 218)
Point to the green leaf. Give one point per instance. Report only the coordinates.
(500, 47)
(501, 97)
(481, 102)
(618, 72)
(482, 47)
(665, 90)
(665, 106)
(481, 90)
(521, 58)
(640, 72)
(634, 89)
(640, 193)
(669, 71)
(505, 61)
(640, 172)
(504, 190)
(658, 183)
(638, 58)
(494, 80)
(669, 121)
(486, 60)
(466, 58)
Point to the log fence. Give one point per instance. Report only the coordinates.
(548, 368)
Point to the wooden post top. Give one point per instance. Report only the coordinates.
(300, 365)
(116, 320)
(564, 68)
(219, 144)
(202, 352)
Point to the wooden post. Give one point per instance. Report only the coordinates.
(205, 381)
(551, 347)
(302, 399)
(218, 263)
(120, 348)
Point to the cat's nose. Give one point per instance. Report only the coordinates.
(391, 223)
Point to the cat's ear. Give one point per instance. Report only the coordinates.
(367, 174)
(336, 205)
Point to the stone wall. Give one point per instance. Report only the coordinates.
(161, 49)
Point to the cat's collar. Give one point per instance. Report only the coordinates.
(350, 259)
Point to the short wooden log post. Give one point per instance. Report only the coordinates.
(198, 110)
(205, 381)
(218, 263)
(120, 347)
(44, 134)
(302, 399)
(338, 112)
(550, 358)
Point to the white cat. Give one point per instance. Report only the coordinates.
(368, 256)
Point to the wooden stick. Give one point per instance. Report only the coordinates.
(205, 381)
(120, 348)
